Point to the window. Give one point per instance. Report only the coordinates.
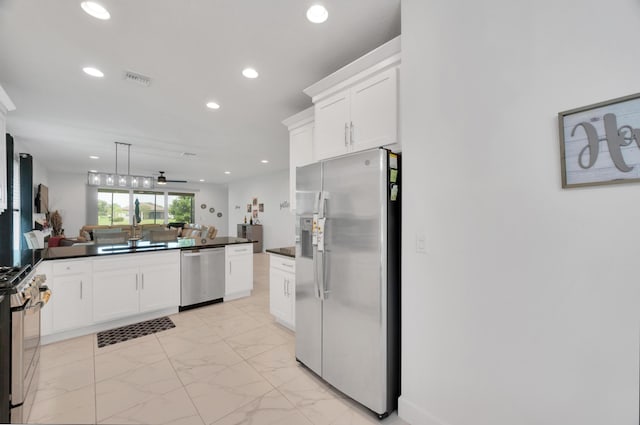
(120, 206)
(113, 207)
(181, 207)
(150, 206)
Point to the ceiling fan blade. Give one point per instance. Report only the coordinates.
(162, 179)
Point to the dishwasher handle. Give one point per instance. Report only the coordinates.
(191, 254)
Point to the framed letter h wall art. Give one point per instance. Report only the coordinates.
(600, 143)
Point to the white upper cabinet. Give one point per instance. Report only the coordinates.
(6, 105)
(356, 108)
(301, 134)
(374, 112)
(332, 126)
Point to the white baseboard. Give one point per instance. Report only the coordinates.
(99, 327)
(237, 295)
(414, 414)
(286, 324)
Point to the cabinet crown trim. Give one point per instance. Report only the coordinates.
(376, 60)
(5, 101)
(299, 119)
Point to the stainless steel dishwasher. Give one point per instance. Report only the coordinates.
(202, 277)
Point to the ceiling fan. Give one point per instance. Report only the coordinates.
(163, 180)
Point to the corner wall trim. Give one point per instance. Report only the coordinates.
(414, 414)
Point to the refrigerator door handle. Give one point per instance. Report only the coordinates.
(317, 278)
(322, 207)
(321, 266)
(317, 199)
(325, 291)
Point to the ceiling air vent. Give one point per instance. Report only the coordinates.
(140, 79)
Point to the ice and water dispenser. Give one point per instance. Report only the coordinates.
(306, 237)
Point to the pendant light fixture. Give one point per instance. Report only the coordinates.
(124, 181)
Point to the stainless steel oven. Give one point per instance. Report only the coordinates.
(26, 302)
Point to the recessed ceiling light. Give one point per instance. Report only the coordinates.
(227, 172)
(94, 72)
(265, 161)
(250, 73)
(95, 9)
(213, 105)
(317, 14)
(94, 157)
(201, 180)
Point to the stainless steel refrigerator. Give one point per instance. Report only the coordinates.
(348, 275)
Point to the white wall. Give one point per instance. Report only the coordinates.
(215, 196)
(272, 190)
(68, 195)
(525, 308)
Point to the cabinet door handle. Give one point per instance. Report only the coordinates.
(80, 289)
(136, 282)
(143, 281)
(230, 267)
(286, 282)
(284, 287)
(351, 130)
(346, 129)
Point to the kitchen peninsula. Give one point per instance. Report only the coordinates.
(99, 287)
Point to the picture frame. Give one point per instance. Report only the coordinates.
(255, 202)
(255, 214)
(600, 143)
(248, 208)
(261, 207)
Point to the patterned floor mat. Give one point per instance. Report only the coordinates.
(125, 333)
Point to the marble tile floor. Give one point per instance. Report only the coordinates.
(224, 364)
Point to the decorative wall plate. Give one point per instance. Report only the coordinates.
(203, 206)
(219, 214)
(212, 210)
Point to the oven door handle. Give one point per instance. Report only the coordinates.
(34, 307)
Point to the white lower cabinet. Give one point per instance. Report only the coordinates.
(134, 284)
(115, 292)
(158, 288)
(282, 289)
(238, 271)
(70, 281)
(90, 292)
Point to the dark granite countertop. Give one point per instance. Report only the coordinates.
(80, 251)
(289, 251)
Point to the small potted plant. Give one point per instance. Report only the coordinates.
(56, 224)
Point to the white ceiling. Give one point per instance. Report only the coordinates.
(194, 51)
